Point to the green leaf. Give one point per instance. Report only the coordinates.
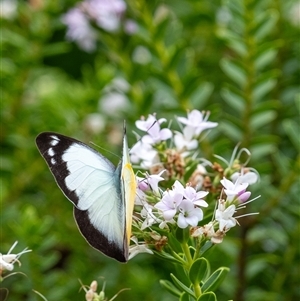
(239, 47)
(173, 242)
(182, 235)
(265, 138)
(56, 48)
(198, 270)
(260, 150)
(215, 279)
(268, 22)
(209, 296)
(233, 41)
(263, 88)
(169, 286)
(208, 244)
(235, 101)
(231, 130)
(184, 297)
(297, 102)
(189, 170)
(227, 34)
(236, 73)
(291, 128)
(265, 58)
(266, 105)
(182, 286)
(168, 257)
(261, 119)
(200, 96)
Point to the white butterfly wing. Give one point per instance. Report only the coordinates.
(92, 184)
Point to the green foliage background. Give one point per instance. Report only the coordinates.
(238, 59)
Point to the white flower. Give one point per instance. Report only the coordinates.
(138, 248)
(153, 180)
(248, 177)
(94, 123)
(152, 127)
(79, 29)
(178, 187)
(233, 190)
(130, 26)
(294, 14)
(225, 216)
(113, 103)
(149, 217)
(169, 203)
(185, 140)
(198, 121)
(195, 197)
(8, 9)
(141, 196)
(107, 14)
(7, 261)
(206, 230)
(92, 292)
(189, 214)
(141, 55)
(144, 154)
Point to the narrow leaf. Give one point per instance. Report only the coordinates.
(227, 34)
(233, 40)
(267, 25)
(182, 235)
(261, 119)
(230, 130)
(209, 296)
(239, 47)
(206, 247)
(291, 128)
(263, 88)
(236, 73)
(215, 279)
(260, 150)
(198, 270)
(184, 297)
(265, 58)
(168, 257)
(169, 286)
(182, 286)
(235, 101)
(201, 95)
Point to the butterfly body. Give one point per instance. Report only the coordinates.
(102, 195)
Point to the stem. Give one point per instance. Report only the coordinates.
(197, 251)
(186, 250)
(197, 289)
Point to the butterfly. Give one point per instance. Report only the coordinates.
(102, 194)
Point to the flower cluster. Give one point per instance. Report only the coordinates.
(8, 260)
(184, 201)
(146, 151)
(92, 295)
(103, 13)
(171, 192)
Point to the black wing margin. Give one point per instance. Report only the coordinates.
(52, 146)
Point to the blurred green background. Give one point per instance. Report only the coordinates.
(239, 59)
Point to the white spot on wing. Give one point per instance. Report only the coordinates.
(53, 162)
(51, 152)
(54, 141)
